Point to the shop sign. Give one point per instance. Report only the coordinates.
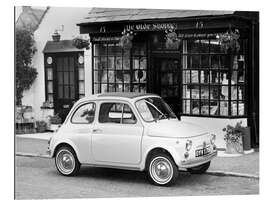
(151, 26)
(197, 35)
(108, 39)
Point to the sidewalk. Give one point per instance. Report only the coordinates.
(246, 165)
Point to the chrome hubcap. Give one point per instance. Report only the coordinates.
(65, 161)
(161, 170)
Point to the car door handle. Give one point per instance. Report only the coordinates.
(97, 130)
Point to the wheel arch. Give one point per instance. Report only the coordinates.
(159, 149)
(65, 143)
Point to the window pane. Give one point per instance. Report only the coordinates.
(119, 76)
(100, 49)
(224, 108)
(126, 75)
(66, 92)
(97, 88)
(111, 76)
(119, 87)
(50, 87)
(60, 91)
(128, 116)
(49, 74)
(110, 62)
(66, 78)
(96, 63)
(195, 106)
(60, 78)
(65, 65)
(72, 92)
(81, 74)
(71, 64)
(110, 113)
(186, 106)
(71, 78)
(84, 114)
(81, 87)
(118, 63)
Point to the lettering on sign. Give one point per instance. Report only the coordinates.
(151, 27)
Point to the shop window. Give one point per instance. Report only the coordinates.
(212, 81)
(118, 70)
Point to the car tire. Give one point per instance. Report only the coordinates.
(199, 169)
(66, 161)
(162, 170)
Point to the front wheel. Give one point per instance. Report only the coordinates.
(162, 170)
(66, 161)
(199, 169)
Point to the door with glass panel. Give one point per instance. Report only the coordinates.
(66, 84)
(167, 81)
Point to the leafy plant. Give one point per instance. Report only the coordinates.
(229, 40)
(25, 73)
(172, 40)
(233, 134)
(55, 119)
(80, 43)
(126, 39)
(41, 126)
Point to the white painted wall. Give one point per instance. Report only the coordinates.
(54, 19)
(215, 125)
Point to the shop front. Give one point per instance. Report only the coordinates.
(184, 60)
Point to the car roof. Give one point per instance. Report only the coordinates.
(114, 95)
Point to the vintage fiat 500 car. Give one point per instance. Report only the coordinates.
(130, 131)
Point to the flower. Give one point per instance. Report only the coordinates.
(229, 40)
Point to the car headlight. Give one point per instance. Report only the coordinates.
(188, 145)
(213, 139)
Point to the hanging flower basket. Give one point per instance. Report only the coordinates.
(80, 43)
(126, 39)
(172, 40)
(229, 41)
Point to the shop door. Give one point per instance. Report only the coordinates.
(167, 81)
(65, 85)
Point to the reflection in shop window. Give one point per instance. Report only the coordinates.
(113, 70)
(211, 85)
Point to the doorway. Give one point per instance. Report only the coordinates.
(167, 80)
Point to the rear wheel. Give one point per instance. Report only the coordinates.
(66, 161)
(162, 170)
(199, 169)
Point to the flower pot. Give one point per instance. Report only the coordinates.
(246, 138)
(54, 127)
(234, 147)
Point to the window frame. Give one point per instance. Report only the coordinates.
(220, 71)
(121, 120)
(78, 107)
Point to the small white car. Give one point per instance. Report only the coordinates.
(132, 131)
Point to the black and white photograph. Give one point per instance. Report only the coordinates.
(124, 102)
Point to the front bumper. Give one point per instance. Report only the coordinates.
(189, 163)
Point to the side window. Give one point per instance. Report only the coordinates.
(116, 113)
(85, 114)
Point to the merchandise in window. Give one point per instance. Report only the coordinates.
(211, 85)
(119, 70)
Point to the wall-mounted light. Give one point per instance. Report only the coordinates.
(56, 36)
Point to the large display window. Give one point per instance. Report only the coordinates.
(119, 70)
(213, 81)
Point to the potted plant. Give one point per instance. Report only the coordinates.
(41, 126)
(126, 39)
(229, 41)
(234, 138)
(172, 40)
(55, 122)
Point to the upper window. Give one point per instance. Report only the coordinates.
(85, 114)
(213, 81)
(116, 113)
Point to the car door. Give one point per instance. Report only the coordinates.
(117, 134)
(79, 129)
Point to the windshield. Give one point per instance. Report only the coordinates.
(154, 108)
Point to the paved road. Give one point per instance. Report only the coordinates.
(37, 178)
